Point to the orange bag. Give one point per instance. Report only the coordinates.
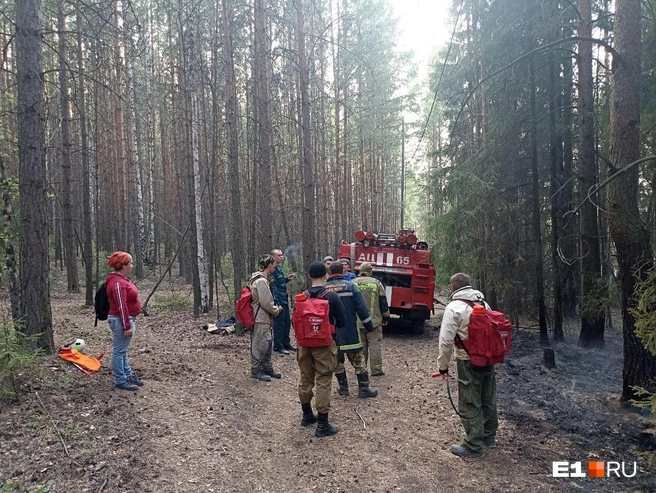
(82, 360)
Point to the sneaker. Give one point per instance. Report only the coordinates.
(135, 380)
(291, 347)
(462, 451)
(127, 385)
(281, 351)
(261, 377)
(490, 442)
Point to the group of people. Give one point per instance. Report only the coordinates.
(358, 310)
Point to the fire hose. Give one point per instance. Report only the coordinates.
(448, 393)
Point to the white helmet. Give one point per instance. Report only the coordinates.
(79, 344)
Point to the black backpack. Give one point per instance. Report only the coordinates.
(101, 302)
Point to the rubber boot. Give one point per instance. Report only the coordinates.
(324, 428)
(342, 379)
(363, 384)
(309, 418)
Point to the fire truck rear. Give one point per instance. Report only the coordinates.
(403, 264)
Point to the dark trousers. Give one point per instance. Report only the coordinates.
(281, 326)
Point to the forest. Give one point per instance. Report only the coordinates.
(199, 134)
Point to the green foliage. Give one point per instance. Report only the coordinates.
(645, 329)
(596, 302)
(8, 486)
(647, 401)
(15, 357)
(645, 312)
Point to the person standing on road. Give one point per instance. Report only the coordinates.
(317, 364)
(477, 386)
(124, 306)
(281, 323)
(373, 294)
(349, 342)
(264, 309)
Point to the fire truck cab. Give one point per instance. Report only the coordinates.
(403, 264)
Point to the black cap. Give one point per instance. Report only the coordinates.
(317, 270)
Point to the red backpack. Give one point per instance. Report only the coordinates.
(490, 335)
(311, 320)
(244, 309)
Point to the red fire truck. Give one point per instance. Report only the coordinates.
(403, 264)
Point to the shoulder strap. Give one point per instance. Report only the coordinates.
(321, 295)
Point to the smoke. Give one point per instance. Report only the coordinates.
(292, 252)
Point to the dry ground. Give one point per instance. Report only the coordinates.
(200, 424)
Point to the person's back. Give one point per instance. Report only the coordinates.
(375, 298)
(477, 394)
(349, 341)
(316, 364)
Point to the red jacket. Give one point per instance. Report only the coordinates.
(123, 298)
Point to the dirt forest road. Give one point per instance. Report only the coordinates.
(200, 424)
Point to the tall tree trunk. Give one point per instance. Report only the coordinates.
(537, 230)
(65, 116)
(35, 293)
(555, 158)
(309, 185)
(569, 250)
(141, 249)
(87, 219)
(592, 291)
(204, 305)
(232, 132)
(628, 231)
(264, 213)
(7, 244)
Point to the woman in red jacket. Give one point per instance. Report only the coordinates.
(124, 306)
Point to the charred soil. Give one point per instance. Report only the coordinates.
(201, 424)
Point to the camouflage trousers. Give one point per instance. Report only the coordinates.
(357, 361)
(372, 346)
(477, 398)
(316, 365)
(261, 346)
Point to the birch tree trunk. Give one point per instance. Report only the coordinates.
(198, 213)
(142, 253)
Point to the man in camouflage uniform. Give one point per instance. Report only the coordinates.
(373, 294)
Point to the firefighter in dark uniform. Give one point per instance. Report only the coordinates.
(281, 323)
(349, 342)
